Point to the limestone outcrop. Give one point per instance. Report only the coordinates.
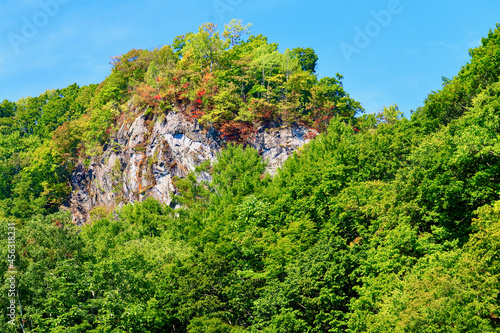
(143, 157)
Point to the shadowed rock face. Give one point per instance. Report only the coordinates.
(143, 158)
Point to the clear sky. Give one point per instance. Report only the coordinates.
(389, 51)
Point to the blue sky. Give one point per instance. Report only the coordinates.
(389, 51)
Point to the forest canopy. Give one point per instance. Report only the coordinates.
(380, 224)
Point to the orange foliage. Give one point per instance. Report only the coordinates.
(237, 131)
(148, 95)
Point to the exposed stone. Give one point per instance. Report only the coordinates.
(142, 162)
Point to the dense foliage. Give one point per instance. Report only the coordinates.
(380, 224)
(225, 82)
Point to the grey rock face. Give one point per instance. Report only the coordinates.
(276, 145)
(143, 158)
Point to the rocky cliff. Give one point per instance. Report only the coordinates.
(143, 157)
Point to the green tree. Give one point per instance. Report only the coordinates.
(234, 30)
(307, 58)
(205, 45)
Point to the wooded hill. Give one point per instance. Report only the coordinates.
(380, 224)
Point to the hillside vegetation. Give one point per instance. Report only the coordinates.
(380, 224)
(222, 82)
